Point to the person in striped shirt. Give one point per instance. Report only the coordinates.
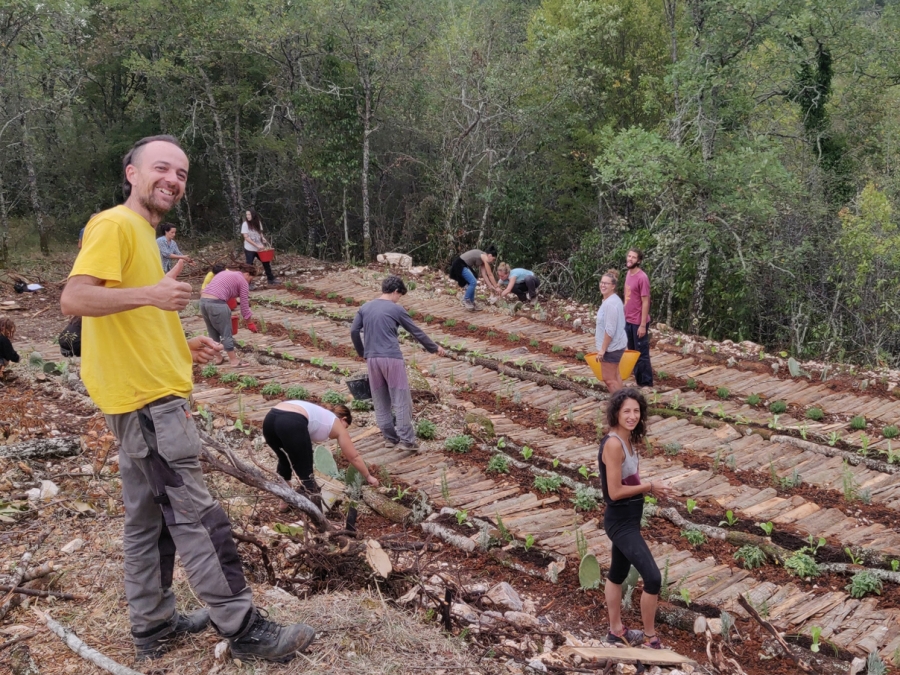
(216, 314)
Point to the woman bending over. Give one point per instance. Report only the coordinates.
(291, 428)
(623, 492)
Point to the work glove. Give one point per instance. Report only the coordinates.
(251, 326)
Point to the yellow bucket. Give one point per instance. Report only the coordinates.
(626, 365)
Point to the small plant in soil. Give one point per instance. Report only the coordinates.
(691, 383)
(428, 318)
(587, 473)
(848, 483)
(498, 464)
(332, 397)
(545, 484)
(501, 528)
(778, 407)
(864, 583)
(272, 389)
(445, 486)
(750, 556)
(685, 596)
(730, 519)
(890, 431)
(690, 505)
(672, 448)
(462, 518)
(556, 349)
(512, 337)
(533, 343)
(472, 327)
(529, 542)
(411, 285)
(858, 423)
(768, 528)
(526, 452)
(753, 399)
(722, 392)
(230, 378)
(209, 371)
(833, 438)
(579, 356)
(586, 498)
(249, 381)
(875, 665)
(695, 537)
(555, 462)
(331, 296)
(426, 429)
(856, 560)
(401, 493)
(802, 565)
(297, 393)
(349, 301)
(318, 361)
(662, 375)
(895, 565)
(460, 443)
(815, 414)
(360, 405)
(450, 323)
(491, 334)
(815, 633)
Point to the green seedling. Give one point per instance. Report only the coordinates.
(730, 519)
(426, 429)
(853, 559)
(691, 383)
(890, 432)
(722, 392)
(662, 375)
(690, 505)
(556, 349)
(768, 528)
(753, 399)
(672, 448)
(450, 323)
(895, 565)
(555, 462)
(297, 393)
(332, 397)
(545, 484)
(685, 596)
(586, 498)
(460, 444)
(751, 556)
(462, 517)
(695, 537)
(272, 389)
(472, 327)
(815, 414)
(529, 542)
(498, 464)
(526, 452)
(778, 407)
(209, 371)
(815, 633)
(858, 423)
(230, 378)
(501, 442)
(802, 565)
(401, 493)
(833, 438)
(533, 343)
(864, 583)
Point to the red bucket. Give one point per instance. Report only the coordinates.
(234, 325)
(266, 255)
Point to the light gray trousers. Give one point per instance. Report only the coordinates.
(169, 509)
(393, 402)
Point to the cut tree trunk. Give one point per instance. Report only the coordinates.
(386, 507)
(42, 448)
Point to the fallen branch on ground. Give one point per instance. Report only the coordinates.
(78, 646)
(734, 537)
(42, 448)
(801, 664)
(42, 594)
(19, 575)
(263, 550)
(253, 477)
(19, 638)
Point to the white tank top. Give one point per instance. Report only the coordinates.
(321, 420)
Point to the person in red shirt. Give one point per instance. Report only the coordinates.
(637, 315)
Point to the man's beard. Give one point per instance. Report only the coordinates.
(149, 202)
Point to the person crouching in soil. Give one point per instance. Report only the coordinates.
(623, 492)
(291, 428)
(523, 283)
(7, 353)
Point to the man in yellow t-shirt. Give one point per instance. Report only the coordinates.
(136, 365)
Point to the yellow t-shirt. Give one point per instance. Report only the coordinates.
(132, 358)
(209, 277)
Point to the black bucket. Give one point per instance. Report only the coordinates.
(359, 388)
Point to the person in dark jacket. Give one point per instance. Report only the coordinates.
(7, 353)
(378, 321)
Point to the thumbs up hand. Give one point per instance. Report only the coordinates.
(170, 294)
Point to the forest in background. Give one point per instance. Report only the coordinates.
(748, 146)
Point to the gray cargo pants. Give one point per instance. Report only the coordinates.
(169, 509)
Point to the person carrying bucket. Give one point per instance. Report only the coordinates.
(610, 336)
(216, 313)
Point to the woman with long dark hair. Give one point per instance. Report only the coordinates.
(255, 241)
(623, 492)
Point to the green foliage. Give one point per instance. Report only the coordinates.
(768, 528)
(230, 378)
(556, 349)
(586, 498)
(272, 389)
(778, 407)
(209, 370)
(858, 423)
(672, 448)
(513, 337)
(428, 318)
(750, 556)
(498, 464)
(249, 381)
(864, 583)
(297, 393)
(690, 505)
(802, 565)
(450, 323)
(730, 519)
(472, 327)
(426, 429)
(332, 397)
(529, 542)
(545, 484)
(589, 574)
(461, 443)
(360, 405)
(692, 384)
(695, 537)
(890, 431)
(526, 452)
(815, 414)
(722, 392)
(753, 399)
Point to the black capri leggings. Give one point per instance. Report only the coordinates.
(623, 527)
(287, 433)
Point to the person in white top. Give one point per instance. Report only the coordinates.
(255, 241)
(610, 336)
(291, 428)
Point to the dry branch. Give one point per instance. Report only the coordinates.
(42, 448)
(386, 507)
(42, 594)
(253, 477)
(263, 550)
(19, 638)
(19, 575)
(78, 646)
(801, 664)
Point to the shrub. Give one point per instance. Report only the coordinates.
(695, 537)
(460, 443)
(778, 407)
(230, 378)
(412, 312)
(297, 393)
(272, 389)
(802, 565)
(750, 556)
(722, 392)
(349, 301)
(890, 431)
(546, 484)
(209, 371)
(864, 583)
(858, 423)
(815, 414)
(332, 397)
(753, 399)
(426, 429)
(662, 375)
(498, 464)
(556, 349)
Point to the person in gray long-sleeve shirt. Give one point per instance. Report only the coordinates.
(378, 321)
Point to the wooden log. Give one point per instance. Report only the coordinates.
(21, 662)
(42, 448)
(78, 646)
(734, 537)
(386, 507)
(850, 457)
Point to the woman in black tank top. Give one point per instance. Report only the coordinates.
(623, 492)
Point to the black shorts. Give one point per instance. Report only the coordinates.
(613, 357)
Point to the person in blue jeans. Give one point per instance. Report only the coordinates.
(474, 262)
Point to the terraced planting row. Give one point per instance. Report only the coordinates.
(706, 581)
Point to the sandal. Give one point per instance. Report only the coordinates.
(241, 364)
(627, 638)
(652, 641)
